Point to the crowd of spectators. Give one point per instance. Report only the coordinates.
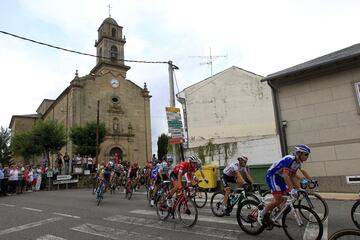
(17, 178)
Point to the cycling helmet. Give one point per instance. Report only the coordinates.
(169, 159)
(242, 158)
(194, 159)
(111, 163)
(302, 148)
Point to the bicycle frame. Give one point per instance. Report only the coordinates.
(288, 204)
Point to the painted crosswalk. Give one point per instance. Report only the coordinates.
(170, 226)
(111, 233)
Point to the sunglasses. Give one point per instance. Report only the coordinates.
(306, 154)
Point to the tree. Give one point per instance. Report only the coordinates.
(5, 150)
(49, 135)
(162, 144)
(84, 137)
(23, 144)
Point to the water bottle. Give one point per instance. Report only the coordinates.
(231, 197)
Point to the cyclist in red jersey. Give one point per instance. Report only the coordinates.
(179, 171)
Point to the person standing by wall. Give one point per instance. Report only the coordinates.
(38, 181)
(59, 162)
(2, 181)
(66, 159)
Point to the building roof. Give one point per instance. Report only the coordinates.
(219, 74)
(35, 115)
(323, 61)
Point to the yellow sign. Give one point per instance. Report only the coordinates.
(172, 109)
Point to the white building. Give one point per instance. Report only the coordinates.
(230, 114)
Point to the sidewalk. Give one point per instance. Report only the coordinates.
(339, 196)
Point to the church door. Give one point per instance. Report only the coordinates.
(116, 150)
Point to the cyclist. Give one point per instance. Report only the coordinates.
(180, 170)
(133, 173)
(281, 179)
(232, 174)
(162, 171)
(106, 175)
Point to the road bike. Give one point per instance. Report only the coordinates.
(129, 189)
(163, 189)
(309, 199)
(296, 220)
(100, 192)
(182, 206)
(198, 195)
(355, 213)
(235, 196)
(345, 234)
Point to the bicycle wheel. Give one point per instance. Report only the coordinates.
(200, 197)
(216, 204)
(99, 194)
(355, 214)
(306, 225)
(252, 196)
(188, 213)
(162, 209)
(319, 205)
(129, 191)
(246, 216)
(346, 234)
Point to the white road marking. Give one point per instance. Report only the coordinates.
(50, 237)
(112, 233)
(200, 219)
(32, 209)
(65, 215)
(29, 225)
(177, 227)
(7, 205)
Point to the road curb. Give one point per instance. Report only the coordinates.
(339, 196)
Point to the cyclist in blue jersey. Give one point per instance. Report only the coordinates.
(281, 179)
(161, 173)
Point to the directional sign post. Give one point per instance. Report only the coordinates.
(175, 125)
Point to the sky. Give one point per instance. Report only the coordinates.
(260, 36)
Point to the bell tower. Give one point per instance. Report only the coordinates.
(110, 45)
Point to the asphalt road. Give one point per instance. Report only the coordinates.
(73, 214)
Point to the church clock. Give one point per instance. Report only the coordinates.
(114, 83)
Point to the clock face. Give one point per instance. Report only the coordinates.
(114, 83)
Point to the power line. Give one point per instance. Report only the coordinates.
(77, 52)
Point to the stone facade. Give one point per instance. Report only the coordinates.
(124, 107)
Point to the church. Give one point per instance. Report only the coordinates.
(104, 93)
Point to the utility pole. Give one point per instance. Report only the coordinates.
(210, 60)
(97, 133)
(172, 67)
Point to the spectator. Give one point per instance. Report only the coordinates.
(20, 185)
(116, 159)
(90, 163)
(13, 179)
(30, 179)
(73, 163)
(38, 181)
(67, 162)
(59, 162)
(35, 177)
(78, 160)
(2, 181)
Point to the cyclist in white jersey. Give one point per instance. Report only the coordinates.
(232, 174)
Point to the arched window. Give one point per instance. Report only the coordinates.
(113, 53)
(113, 32)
